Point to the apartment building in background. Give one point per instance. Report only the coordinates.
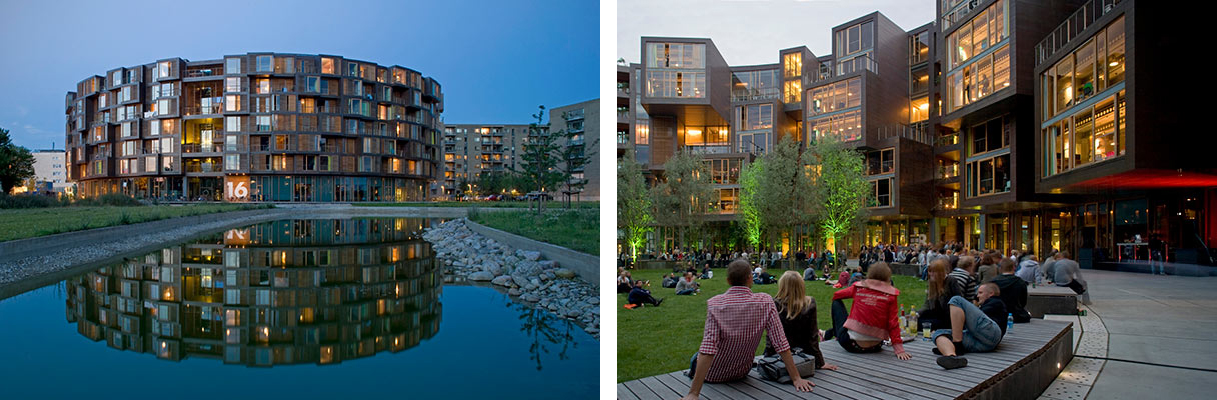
(50, 171)
(1002, 124)
(471, 149)
(256, 127)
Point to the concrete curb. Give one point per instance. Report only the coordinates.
(14, 250)
(587, 266)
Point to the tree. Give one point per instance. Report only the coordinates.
(786, 195)
(750, 202)
(575, 156)
(494, 182)
(634, 205)
(684, 195)
(843, 186)
(17, 162)
(539, 167)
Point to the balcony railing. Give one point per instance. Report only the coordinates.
(947, 171)
(1074, 25)
(202, 147)
(917, 134)
(200, 110)
(947, 140)
(204, 167)
(199, 73)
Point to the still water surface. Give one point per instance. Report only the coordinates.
(299, 308)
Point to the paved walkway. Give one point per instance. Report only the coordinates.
(1145, 337)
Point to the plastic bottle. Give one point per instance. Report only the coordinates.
(1009, 322)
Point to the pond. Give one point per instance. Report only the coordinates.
(305, 308)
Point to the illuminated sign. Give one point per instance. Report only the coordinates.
(236, 188)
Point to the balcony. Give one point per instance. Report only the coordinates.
(947, 202)
(947, 140)
(202, 148)
(204, 72)
(623, 89)
(202, 110)
(946, 171)
(573, 115)
(1073, 26)
(916, 132)
(204, 167)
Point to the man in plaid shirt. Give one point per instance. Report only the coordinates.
(734, 322)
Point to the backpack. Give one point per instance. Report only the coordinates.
(772, 368)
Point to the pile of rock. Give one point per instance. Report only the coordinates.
(543, 284)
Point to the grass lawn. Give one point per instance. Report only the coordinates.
(484, 204)
(33, 222)
(578, 229)
(657, 340)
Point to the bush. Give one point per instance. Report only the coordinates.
(31, 201)
(112, 199)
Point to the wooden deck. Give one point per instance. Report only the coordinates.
(1025, 363)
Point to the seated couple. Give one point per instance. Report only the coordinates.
(736, 319)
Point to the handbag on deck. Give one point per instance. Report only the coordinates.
(772, 368)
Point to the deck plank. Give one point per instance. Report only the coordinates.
(917, 379)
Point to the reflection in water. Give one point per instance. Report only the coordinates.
(284, 292)
(541, 325)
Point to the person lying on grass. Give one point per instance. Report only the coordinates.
(797, 311)
(873, 317)
(973, 329)
(734, 323)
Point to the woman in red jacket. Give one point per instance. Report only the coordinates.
(873, 316)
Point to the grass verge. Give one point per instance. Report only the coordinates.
(578, 229)
(657, 340)
(34, 222)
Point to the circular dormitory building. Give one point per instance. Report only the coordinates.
(256, 127)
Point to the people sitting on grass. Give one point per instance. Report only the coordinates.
(763, 277)
(873, 317)
(961, 281)
(1013, 290)
(1068, 273)
(706, 272)
(669, 281)
(641, 296)
(973, 329)
(734, 323)
(687, 285)
(797, 311)
(624, 282)
(809, 274)
(937, 298)
(856, 276)
(843, 277)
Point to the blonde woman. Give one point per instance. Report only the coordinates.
(797, 311)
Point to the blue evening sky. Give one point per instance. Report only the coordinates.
(496, 60)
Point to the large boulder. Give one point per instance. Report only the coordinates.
(481, 276)
(564, 273)
(502, 280)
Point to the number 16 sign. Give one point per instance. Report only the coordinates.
(236, 188)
